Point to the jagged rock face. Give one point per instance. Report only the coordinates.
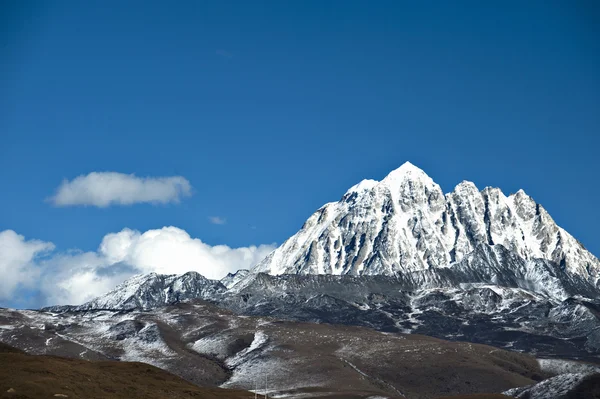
(405, 223)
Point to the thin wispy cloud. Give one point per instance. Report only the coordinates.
(224, 54)
(73, 277)
(103, 189)
(217, 220)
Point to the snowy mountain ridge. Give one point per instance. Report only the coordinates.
(404, 223)
(148, 291)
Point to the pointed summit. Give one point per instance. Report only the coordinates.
(407, 171)
(408, 168)
(406, 224)
(520, 194)
(466, 187)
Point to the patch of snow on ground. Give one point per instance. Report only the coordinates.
(250, 373)
(260, 339)
(354, 367)
(560, 366)
(199, 325)
(551, 388)
(306, 395)
(141, 350)
(280, 376)
(213, 345)
(263, 322)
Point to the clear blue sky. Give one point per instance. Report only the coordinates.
(272, 108)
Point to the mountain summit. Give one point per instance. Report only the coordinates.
(405, 224)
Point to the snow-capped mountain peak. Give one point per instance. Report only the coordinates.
(407, 171)
(405, 223)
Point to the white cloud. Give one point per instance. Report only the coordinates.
(103, 189)
(18, 261)
(172, 250)
(74, 277)
(217, 220)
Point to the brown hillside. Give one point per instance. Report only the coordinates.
(27, 376)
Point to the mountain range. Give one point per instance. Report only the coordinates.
(405, 224)
(397, 256)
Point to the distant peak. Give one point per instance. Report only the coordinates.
(193, 274)
(521, 193)
(522, 197)
(465, 186)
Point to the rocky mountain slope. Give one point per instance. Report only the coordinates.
(405, 224)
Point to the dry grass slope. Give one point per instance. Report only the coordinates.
(27, 376)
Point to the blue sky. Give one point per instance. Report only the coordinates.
(270, 109)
